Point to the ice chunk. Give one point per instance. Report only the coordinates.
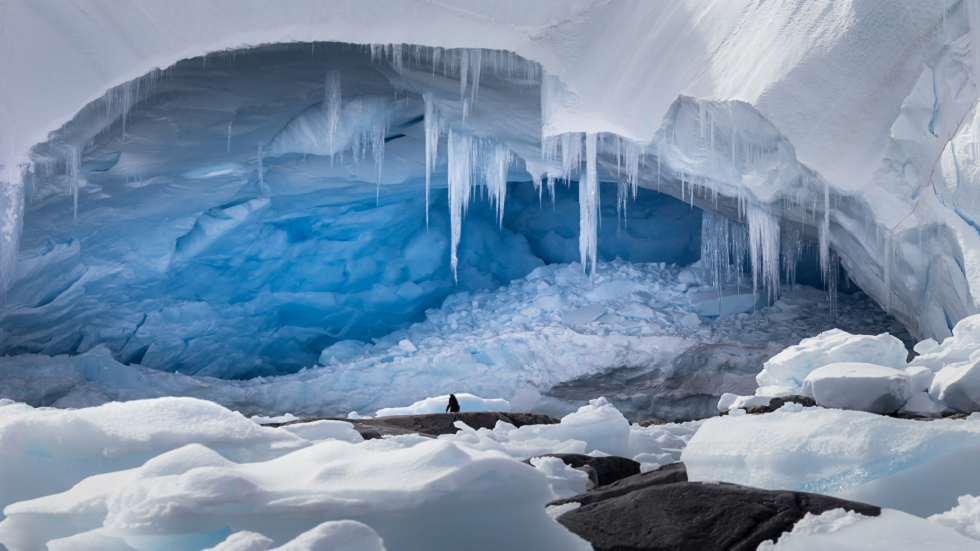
(921, 378)
(859, 387)
(838, 530)
(325, 430)
(791, 366)
(467, 402)
(964, 518)
(565, 481)
(341, 351)
(407, 346)
(914, 466)
(637, 311)
(587, 314)
(774, 391)
(600, 425)
(689, 320)
(958, 386)
(922, 405)
(731, 301)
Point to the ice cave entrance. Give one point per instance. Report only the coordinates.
(236, 214)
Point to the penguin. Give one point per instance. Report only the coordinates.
(453, 406)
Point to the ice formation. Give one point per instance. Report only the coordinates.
(550, 341)
(913, 466)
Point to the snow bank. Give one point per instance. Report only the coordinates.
(407, 490)
(914, 466)
(45, 451)
(790, 367)
(859, 386)
(838, 530)
(467, 402)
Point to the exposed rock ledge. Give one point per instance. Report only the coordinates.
(431, 424)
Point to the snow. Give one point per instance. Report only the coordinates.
(952, 367)
(467, 402)
(859, 386)
(964, 517)
(791, 367)
(913, 466)
(838, 530)
(188, 474)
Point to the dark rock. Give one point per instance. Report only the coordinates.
(601, 470)
(804, 401)
(649, 422)
(775, 404)
(431, 424)
(697, 516)
(668, 474)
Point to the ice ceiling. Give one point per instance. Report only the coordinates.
(235, 213)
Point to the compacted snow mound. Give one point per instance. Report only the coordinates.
(914, 466)
(790, 367)
(838, 530)
(859, 386)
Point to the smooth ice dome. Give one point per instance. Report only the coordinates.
(913, 466)
(859, 386)
(792, 366)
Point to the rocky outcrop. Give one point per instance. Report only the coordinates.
(431, 424)
(668, 474)
(696, 516)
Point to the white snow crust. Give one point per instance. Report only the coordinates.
(913, 466)
(188, 474)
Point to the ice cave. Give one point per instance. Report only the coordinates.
(669, 256)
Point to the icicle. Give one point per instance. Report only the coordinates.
(459, 189)
(588, 198)
(433, 128)
(764, 247)
(332, 105)
(396, 57)
(493, 164)
(260, 169)
(476, 62)
(824, 234)
(571, 154)
(12, 196)
(792, 251)
(229, 133)
(74, 167)
(551, 191)
(539, 187)
(464, 66)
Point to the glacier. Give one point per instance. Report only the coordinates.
(604, 211)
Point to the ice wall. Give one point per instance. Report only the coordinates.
(804, 113)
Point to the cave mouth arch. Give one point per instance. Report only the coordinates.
(212, 219)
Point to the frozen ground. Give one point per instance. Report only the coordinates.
(548, 342)
(101, 478)
(185, 474)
